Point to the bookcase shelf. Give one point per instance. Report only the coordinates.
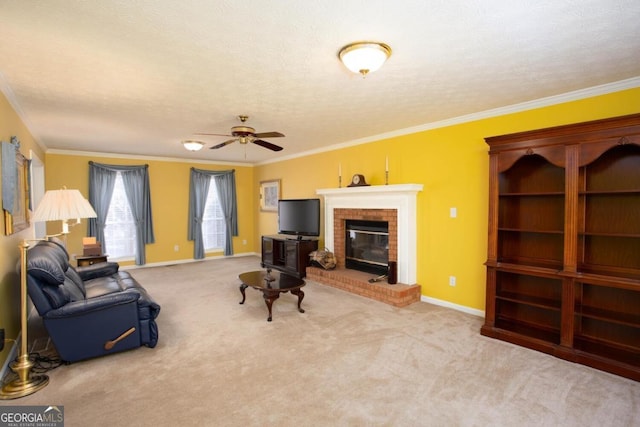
(563, 259)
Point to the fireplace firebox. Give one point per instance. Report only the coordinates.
(367, 246)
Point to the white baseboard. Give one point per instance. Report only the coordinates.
(457, 307)
(187, 261)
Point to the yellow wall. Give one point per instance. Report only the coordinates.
(169, 181)
(12, 125)
(452, 164)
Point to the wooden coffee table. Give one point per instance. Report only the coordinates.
(272, 284)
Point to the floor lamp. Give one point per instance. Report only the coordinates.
(56, 205)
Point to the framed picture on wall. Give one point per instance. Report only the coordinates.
(269, 195)
(19, 219)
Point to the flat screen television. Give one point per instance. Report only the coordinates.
(299, 217)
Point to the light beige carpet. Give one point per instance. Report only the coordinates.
(348, 361)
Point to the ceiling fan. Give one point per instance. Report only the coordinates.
(246, 134)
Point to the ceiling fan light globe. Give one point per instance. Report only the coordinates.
(193, 145)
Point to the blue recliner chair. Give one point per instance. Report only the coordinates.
(89, 311)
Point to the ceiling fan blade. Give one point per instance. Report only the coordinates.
(266, 144)
(268, 135)
(222, 144)
(213, 134)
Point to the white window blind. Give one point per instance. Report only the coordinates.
(213, 229)
(120, 228)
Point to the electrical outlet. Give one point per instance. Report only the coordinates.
(452, 280)
(176, 248)
(453, 212)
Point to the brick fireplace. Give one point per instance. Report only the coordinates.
(340, 216)
(395, 204)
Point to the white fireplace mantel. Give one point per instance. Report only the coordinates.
(402, 197)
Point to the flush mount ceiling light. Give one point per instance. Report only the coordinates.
(364, 57)
(193, 145)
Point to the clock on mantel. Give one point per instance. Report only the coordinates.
(358, 181)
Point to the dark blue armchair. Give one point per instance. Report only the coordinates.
(89, 311)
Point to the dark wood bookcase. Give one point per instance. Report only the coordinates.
(563, 263)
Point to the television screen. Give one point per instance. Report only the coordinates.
(300, 217)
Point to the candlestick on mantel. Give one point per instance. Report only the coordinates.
(386, 170)
(339, 175)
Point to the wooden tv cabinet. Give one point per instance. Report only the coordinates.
(287, 254)
(563, 264)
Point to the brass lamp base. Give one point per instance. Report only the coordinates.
(26, 383)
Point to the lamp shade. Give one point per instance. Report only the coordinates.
(364, 57)
(63, 205)
(193, 145)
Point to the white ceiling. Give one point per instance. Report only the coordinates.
(137, 77)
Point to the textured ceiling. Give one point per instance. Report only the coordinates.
(137, 77)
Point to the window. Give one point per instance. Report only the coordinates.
(213, 227)
(120, 228)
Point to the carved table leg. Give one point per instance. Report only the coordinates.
(269, 298)
(242, 288)
(300, 295)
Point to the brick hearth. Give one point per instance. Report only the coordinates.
(357, 282)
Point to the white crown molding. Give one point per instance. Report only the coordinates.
(140, 157)
(576, 95)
